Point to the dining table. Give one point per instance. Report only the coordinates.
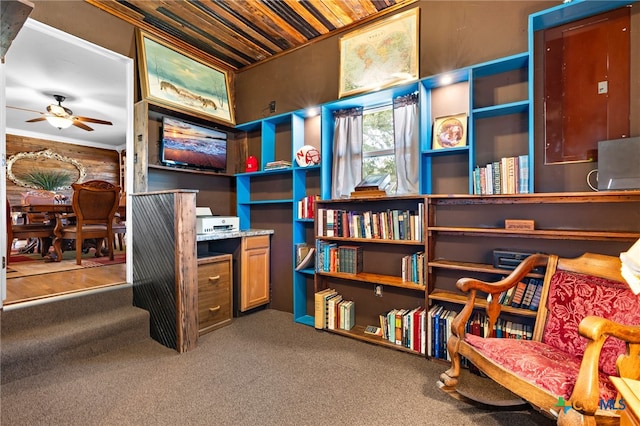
(56, 212)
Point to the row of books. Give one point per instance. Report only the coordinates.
(510, 175)
(439, 321)
(332, 311)
(306, 206)
(330, 257)
(405, 327)
(278, 164)
(525, 295)
(390, 224)
(414, 267)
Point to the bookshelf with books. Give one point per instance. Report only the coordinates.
(363, 248)
(464, 231)
(280, 186)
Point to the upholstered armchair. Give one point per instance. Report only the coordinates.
(587, 329)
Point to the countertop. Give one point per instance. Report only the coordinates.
(223, 235)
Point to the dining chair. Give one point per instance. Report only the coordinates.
(27, 231)
(120, 223)
(94, 206)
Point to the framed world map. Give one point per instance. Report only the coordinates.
(381, 55)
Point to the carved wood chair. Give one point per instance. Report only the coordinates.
(587, 329)
(120, 223)
(94, 206)
(41, 231)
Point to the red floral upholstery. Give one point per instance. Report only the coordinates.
(553, 364)
(574, 296)
(540, 364)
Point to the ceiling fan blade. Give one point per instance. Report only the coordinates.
(35, 120)
(92, 120)
(25, 109)
(82, 126)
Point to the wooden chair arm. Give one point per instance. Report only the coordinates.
(586, 393)
(472, 286)
(521, 271)
(594, 328)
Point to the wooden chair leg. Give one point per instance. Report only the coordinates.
(79, 243)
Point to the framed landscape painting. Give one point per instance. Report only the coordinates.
(380, 55)
(450, 131)
(183, 82)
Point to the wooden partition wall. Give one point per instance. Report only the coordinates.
(102, 164)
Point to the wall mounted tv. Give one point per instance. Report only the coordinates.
(192, 146)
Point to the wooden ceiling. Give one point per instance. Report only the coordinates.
(240, 33)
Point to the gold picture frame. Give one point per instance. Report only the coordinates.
(183, 82)
(450, 132)
(383, 54)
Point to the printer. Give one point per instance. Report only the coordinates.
(207, 223)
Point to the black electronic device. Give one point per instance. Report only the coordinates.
(509, 259)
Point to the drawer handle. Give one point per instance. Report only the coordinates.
(216, 278)
(215, 308)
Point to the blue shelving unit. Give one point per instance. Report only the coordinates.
(468, 155)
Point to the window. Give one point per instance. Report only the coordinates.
(378, 155)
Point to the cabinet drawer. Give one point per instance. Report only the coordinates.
(260, 241)
(215, 299)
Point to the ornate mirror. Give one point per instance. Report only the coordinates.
(44, 170)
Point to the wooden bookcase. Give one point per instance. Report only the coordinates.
(382, 266)
(462, 232)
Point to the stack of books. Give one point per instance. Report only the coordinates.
(524, 295)
(509, 175)
(405, 327)
(279, 164)
(372, 186)
(332, 312)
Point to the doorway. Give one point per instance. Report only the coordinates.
(65, 72)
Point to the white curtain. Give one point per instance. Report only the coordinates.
(405, 128)
(347, 152)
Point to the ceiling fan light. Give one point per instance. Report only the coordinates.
(59, 122)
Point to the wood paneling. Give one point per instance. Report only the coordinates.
(236, 34)
(102, 164)
(165, 281)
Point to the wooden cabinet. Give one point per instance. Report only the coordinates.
(255, 272)
(380, 285)
(215, 292)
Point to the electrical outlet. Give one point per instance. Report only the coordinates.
(377, 290)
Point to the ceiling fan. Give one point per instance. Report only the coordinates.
(62, 117)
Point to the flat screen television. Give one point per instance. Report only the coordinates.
(192, 146)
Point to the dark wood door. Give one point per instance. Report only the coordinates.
(586, 85)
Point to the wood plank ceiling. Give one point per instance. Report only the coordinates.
(241, 33)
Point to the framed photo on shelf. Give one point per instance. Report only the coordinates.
(181, 81)
(380, 55)
(450, 131)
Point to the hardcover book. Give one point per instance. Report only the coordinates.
(374, 182)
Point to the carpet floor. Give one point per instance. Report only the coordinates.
(263, 369)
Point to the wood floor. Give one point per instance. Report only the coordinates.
(34, 287)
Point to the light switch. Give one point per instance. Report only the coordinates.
(603, 87)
